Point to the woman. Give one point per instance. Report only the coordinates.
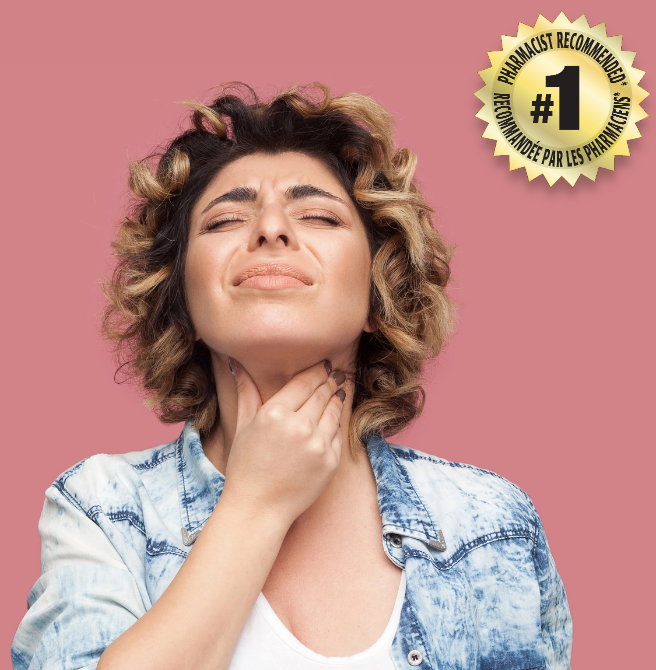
(279, 286)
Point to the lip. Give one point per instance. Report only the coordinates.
(270, 270)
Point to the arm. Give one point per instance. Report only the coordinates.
(197, 621)
(86, 598)
(554, 609)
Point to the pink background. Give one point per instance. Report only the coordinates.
(551, 374)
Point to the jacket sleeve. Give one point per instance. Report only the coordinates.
(85, 598)
(555, 617)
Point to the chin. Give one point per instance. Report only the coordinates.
(290, 349)
(283, 348)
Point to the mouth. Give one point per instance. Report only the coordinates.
(271, 276)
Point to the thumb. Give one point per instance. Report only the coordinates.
(248, 397)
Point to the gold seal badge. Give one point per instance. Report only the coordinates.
(561, 99)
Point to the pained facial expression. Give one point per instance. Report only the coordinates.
(278, 263)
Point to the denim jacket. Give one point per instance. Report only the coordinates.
(482, 589)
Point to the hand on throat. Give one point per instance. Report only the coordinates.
(269, 377)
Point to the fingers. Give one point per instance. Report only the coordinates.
(315, 405)
(328, 424)
(295, 393)
(248, 397)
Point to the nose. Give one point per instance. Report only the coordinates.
(273, 229)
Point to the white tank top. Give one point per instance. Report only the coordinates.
(266, 644)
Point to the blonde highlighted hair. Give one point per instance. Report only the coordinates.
(146, 314)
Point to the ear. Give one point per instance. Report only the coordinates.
(370, 326)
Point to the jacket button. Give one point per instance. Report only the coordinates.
(415, 657)
(396, 542)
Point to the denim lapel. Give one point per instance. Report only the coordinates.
(199, 483)
(401, 509)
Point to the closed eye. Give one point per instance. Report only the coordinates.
(333, 221)
(212, 225)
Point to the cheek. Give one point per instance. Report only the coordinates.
(204, 272)
(352, 272)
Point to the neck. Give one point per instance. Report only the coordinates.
(269, 379)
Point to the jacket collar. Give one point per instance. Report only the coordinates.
(200, 485)
(401, 509)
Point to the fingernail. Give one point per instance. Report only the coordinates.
(231, 365)
(339, 377)
(328, 366)
(341, 394)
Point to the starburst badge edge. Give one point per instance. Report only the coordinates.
(582, 157)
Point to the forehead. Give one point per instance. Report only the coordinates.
(279, 171)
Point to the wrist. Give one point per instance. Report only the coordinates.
(246, 512)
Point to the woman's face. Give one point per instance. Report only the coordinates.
(278, 263)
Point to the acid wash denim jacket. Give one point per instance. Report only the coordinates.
(482, 589)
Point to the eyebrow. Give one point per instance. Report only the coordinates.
(247, 194)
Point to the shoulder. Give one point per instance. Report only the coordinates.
(468, 480)
(471, 502)
(109, 478)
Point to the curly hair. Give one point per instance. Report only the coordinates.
(146, 314)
